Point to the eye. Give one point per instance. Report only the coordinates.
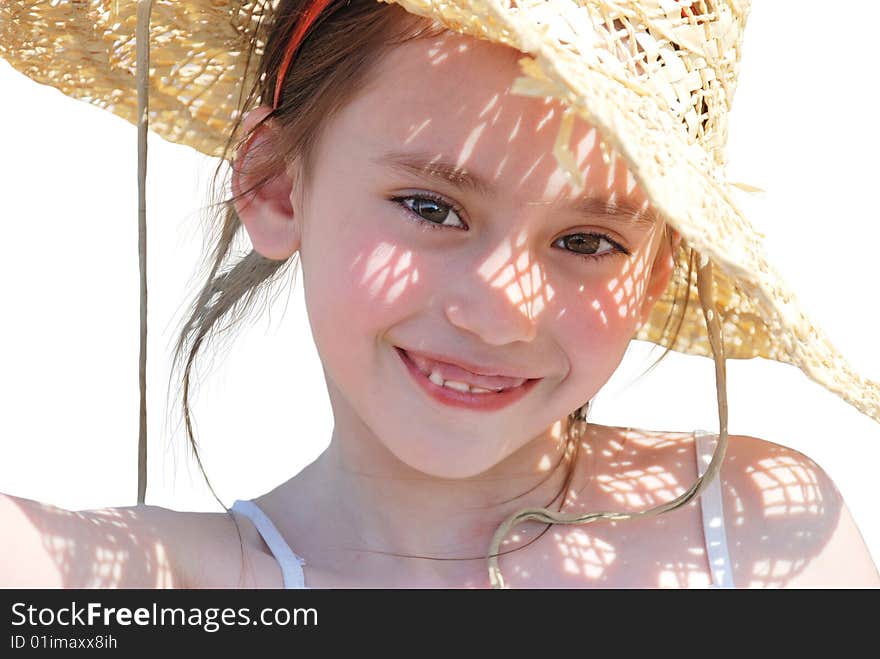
(432, 211)
(590, 245)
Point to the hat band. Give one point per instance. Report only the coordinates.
(308, 17)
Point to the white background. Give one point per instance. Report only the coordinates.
(804, 127)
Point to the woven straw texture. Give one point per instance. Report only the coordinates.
(656, 77)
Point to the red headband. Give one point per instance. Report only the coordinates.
(308, 17)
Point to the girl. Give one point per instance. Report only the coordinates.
(468, 295)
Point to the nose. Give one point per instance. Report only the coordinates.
(497, 313)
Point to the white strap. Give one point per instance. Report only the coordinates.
(291, 564)
(713, 514)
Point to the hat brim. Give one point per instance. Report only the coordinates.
(87, 51)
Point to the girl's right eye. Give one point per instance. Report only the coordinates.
(431, 211)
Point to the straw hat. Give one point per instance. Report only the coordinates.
(656, 77)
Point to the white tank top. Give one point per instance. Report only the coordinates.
(710, 504)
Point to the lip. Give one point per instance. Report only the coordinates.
(473, 368)
(461, 399)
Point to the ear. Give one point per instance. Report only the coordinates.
(267, 212)
(661, 272)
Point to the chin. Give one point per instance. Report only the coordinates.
(444, 461)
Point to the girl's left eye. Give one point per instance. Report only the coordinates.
(432, 212)
(591, 245)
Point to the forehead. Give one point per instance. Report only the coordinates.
(449, 98)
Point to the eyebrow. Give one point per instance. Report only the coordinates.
(431, 168)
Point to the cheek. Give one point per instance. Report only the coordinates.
(359, 281)
(618, 301)
(596, 319)
(384, 275)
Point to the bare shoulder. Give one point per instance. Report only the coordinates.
(127, 547)
(48, 546)
(225, 550)
(786, 522)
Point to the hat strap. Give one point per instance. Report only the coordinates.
(308, 17)
(705, 283)
(142, 63)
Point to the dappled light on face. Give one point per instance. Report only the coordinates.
(415, 131)
(628, 288)
(477, 238)
(438, 55)
(493, 102)
(387, 272)
(497, 266)
(470, 142)
(510, 270)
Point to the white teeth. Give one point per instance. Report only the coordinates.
(437, 379)
(458, 386)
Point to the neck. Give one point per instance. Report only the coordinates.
(367, 513)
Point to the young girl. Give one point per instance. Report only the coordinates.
(472, 281)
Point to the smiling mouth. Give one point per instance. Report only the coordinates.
(453, 376)
(465, 394)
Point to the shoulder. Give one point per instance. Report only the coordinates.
(140, 546)
(786, 523)
(219, 550)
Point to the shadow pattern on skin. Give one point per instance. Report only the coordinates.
(779, 509)
(108, 548)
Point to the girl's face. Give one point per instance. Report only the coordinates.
(437, 222)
